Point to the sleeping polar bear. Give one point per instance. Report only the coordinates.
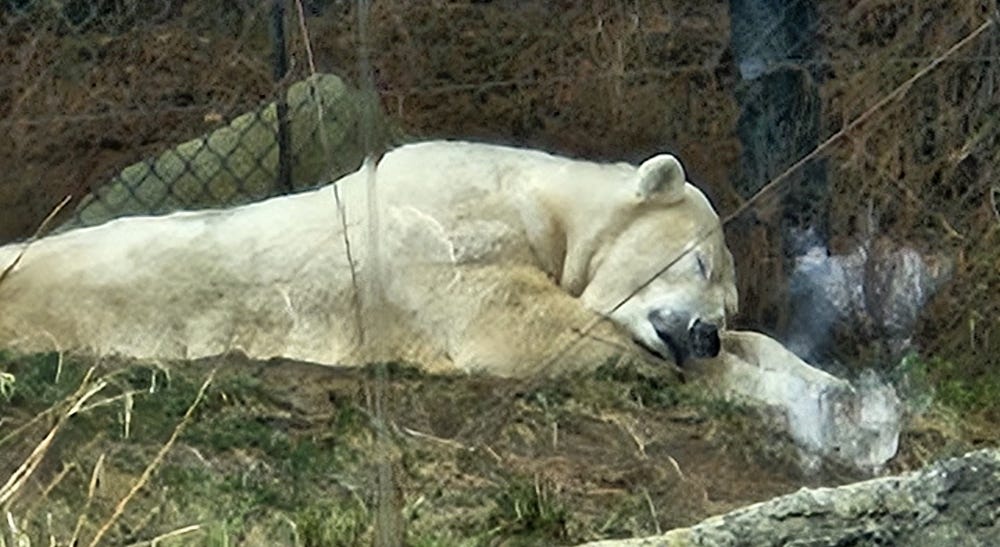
(486, 258)
(469, 257)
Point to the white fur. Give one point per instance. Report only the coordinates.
(492, 258)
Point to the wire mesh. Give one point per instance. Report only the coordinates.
(881, 119)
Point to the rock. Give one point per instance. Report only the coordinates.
(954, 502)
(826, 416)
(876, 291)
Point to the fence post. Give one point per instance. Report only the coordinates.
(279, 53)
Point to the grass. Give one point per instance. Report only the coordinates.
(531, 511)
(272, 454)
(279, 468)
(943, 381)
(244, 470)
(656, 389)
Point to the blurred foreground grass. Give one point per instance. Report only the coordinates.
(285, 453)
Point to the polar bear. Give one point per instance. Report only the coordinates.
(453, 255)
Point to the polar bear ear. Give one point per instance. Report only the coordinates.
(661, 178)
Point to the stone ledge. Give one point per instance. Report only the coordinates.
(954, 502)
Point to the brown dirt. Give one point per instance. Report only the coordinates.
(615, 454)
(593, 454)
(594, 79)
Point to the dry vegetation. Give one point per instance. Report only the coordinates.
(80, 100)
(287, 453)
(267, 459)
(924, 172)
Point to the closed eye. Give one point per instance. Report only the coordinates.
(701, 267)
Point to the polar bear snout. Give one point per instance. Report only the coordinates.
(684, 336)
(704, 339)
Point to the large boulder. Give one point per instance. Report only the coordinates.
(955, 502)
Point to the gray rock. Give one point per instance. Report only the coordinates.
(954, 502)
(877, 291)
(829, 418)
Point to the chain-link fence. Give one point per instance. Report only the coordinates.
(146, 107)
(203, 102)
(858, 141)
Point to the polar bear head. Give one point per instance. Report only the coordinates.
(667, 275)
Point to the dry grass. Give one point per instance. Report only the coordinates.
(21, 509)
(153, 464)
(273, 452)
(600, 80)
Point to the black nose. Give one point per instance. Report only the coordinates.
(704, 339)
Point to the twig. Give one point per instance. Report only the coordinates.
(172, 534)
(148, 472)
(677, 467)
(35, 419)
(305, 36)
(994, 192)
(38, 232)
(420, 435)
(341, 210)
(127, 407)
(948, 228)
(59, 361)
(95, 480)
(94, 390)
(16, 534)
(112, 399)
(296, 541)
(493, 453)
(640, 446)
(29, 510)
(31, 463)
(58, 479)
(356, 292)
(652, 510)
